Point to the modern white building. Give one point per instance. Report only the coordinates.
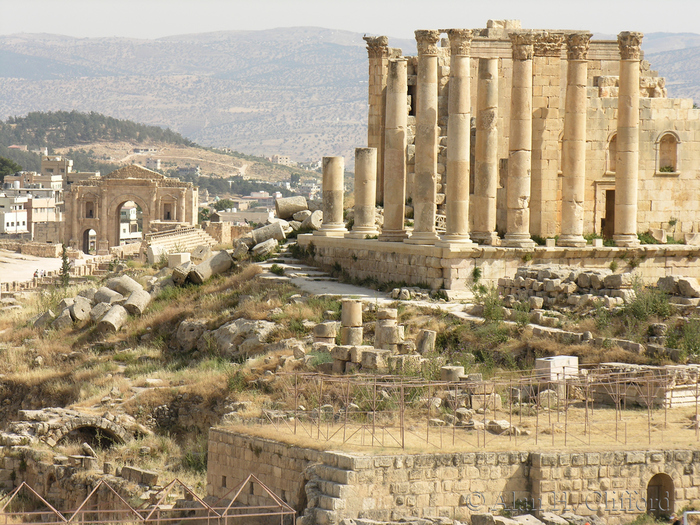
(13, 214)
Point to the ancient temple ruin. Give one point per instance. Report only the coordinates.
(500, 135)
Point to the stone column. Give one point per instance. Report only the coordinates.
(333, 187)
(545, 203)
(378, 53)
(73, 197)
(520, 143)
(425, 184)
(458, 135)
(103, 234)
(627, 169)
(181, 207)
(395, 152)
(365, 191)
(574, 143)
(486, 154)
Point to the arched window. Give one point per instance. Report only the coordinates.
(668, 153)
(611, 155)
(89, 210)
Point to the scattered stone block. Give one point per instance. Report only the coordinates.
(113, 320)
(64, 320)
(286, 207)
(215, 265)
(313, 221)
(658, 234)
(137, 302)
(123, 285)
(425, 342)
(341, 353)
(271, 231)
(107, 295)
(44, 319)
(264, 248)
(176, 259)
(375, 360)
(489, 401)
(451, 373)
(351, 335)
(688, 287)
(618, 281)
(80, 309)
(99, 310)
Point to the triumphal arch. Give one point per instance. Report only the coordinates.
(95, 204)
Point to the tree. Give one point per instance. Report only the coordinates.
(204, 214)
(65, 267)
(224, 204)
(8, 167)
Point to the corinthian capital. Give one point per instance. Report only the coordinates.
(377, 46)
(426, 40)
(548, 44)
(630, 43)
(577, 45)
(523, 44)
(460, 40)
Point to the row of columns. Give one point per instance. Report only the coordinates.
(519, 181)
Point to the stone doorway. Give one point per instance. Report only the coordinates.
(89, 240)
(607, 225)
(660, 496)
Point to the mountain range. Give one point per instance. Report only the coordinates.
(293, 91)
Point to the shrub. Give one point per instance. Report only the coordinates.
(276, 269)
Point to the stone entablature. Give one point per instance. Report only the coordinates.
(327, 487)
(95, 204)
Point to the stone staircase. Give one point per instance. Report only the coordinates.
(293, 268)
(180, 239)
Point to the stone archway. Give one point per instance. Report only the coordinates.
(113, 212)
(96, 201)
(660, 496)
(86, 245)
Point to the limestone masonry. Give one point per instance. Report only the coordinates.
(504, 136)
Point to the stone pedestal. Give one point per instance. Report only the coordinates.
(520, 147)
(486, 154)
(333, 226)
(365, 191)
(627, 168)
(574, 144)
(425, 183)
(393, 229)
(458, 135)
(378, 53)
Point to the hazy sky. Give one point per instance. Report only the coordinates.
(156, 18)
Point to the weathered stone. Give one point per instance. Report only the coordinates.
(300, 216)
(313, 221)
(180, 273)
(264, 248)
(113, 320)
(451, 373)
(240, 250)
(123, 285)
(326, 329)
(89, 294)
(107, 295)
(351, 335)
(658, 234)
(66, 302)
(618, 281)
(425, 342)
(137, 302)
(44, 319)
(215, 265)
(241, 337)
(80, 309)
(176, 259)
(99, 310)
(271, 231)
(286, 207)
(668, 284)
(688, 287)
(64, 320)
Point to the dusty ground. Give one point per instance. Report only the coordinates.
(19, 267)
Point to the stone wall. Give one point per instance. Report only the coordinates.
(442, 268)
(330, 486)
(48, 232)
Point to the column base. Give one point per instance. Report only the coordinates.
(486, 238)
(429, 238)
(455, 241)
(572, 241)
(519, 240)
(626, 240)
(393, 235)
(102, 247)
(340, 232)
(361, 233)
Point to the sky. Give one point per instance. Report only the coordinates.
(397, 18)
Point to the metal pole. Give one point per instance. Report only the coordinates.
(402, 408)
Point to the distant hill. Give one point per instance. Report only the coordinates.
(294, 91)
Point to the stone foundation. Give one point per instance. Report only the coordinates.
(327, 487)
(450, 269)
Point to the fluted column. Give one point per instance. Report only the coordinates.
(393, 229)
(425, 184)
(181, 207)
(333, 187)
(574, 144)
(486, 154)
(365, 191)
(458, 135)
(627, 168)
(378, 54)
(520, 143)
